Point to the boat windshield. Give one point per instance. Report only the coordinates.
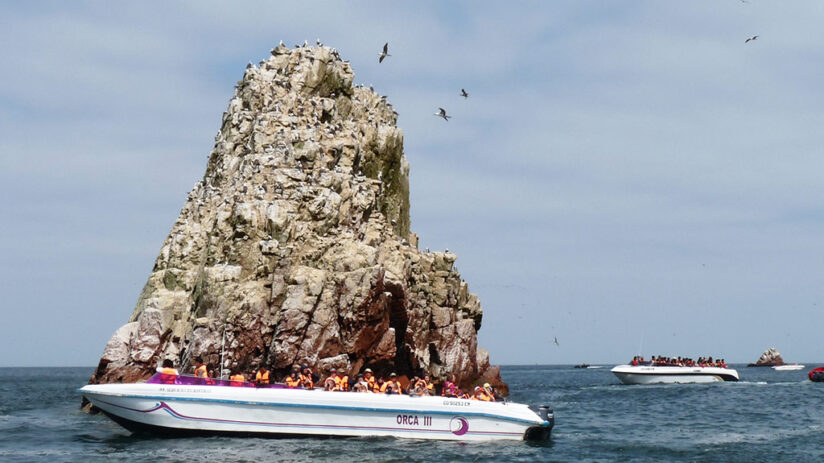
(188, 380)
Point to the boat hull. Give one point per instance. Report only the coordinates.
(788, 367)
(629, 374)
(204, 410)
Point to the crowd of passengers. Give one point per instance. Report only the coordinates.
(302, 377)
(661, 361)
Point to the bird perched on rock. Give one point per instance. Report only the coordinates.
(318, 42)
(749, 39)
(464, 94)
(383, 54)
(442, 113)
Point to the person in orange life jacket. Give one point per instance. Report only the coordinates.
(262, 377)
(369, 378)
(481, 395)
(307, 378)
(429, 388)
(200, 368)
(293, 380)
(393, 386)
(168, 373)
(344, 382)
(378, 386)
(237, 379)
(489, 391)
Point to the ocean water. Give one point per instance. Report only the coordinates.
(767, 417)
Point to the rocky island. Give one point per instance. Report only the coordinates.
(295, 247)
(770, 358)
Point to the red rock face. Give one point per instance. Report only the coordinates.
(295, 247)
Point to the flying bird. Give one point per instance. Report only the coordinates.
(751, 38)
(442, 113)
(384, 53)
(464, 94)
(556, 341)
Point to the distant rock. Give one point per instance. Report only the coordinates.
(295, 247)
(770, 358)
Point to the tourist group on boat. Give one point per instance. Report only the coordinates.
(302, 377)
(661, 361)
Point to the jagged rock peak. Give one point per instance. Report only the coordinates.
(295, 247)
(770, 357)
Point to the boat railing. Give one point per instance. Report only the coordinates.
(189, 380)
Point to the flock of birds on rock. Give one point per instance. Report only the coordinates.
(441, 112)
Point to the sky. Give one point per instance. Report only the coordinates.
(629, 177)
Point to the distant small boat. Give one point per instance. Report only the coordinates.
(583, 365)
(792, 367)
(644, 374)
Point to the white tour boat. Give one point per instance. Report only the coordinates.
(189, 406)
(649, 374)
(793, 367)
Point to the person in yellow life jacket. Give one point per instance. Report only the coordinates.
(168, 373)
(237, 379)
(200, 369)
(393, 386)
(307, 381)
(262, 377)
(343, 384)
(481, 395)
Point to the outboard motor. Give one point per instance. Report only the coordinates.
(542, 432)
(546, 414)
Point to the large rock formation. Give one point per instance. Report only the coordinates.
(295, 247)
(771, 357)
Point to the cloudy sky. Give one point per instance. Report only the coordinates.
(626, 176)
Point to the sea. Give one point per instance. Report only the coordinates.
(768, 416)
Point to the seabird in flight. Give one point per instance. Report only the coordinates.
(384, 53)
(464, 94)
(751, 38)
(556, 341)
(442, 113)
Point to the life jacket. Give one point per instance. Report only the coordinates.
(489, 394)
(292, 381)
(395, 385)
(306, 381)
(236, 380)
(430, 388)
(343, 384)
(201, 372)
(262, 379)
(168, 375)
